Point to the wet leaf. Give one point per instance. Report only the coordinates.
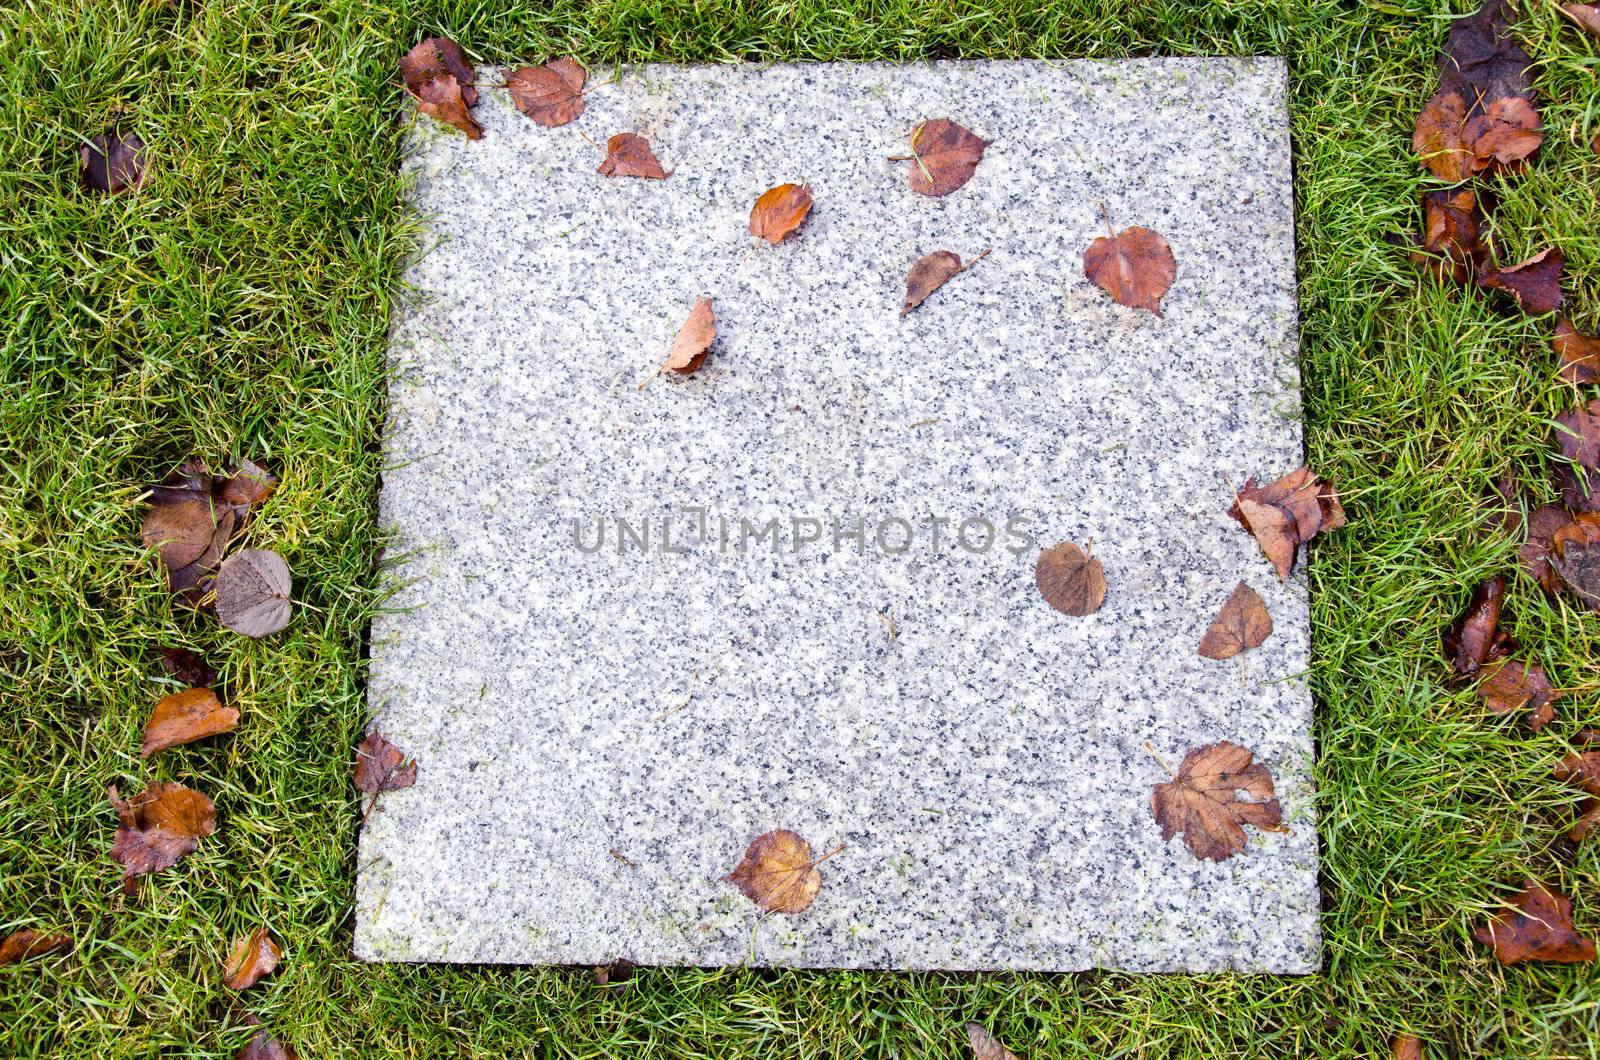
(1476, 639)
(1242, 624)
(27, 944)
(779, 211)
(184, 717)
(944, 155)
(444, 99)
(552, 94)
(252, 959)
(1579, 486)
(253, 592)
(157, 827)
(188, 667)
(694, 339)
(985, 1046)
(1578, 434)
(1454, 234)
(1203, 801)
(112, 162)
(1582, 768)
(1134, 266)
(1535, 282)
(1534, 556)
(778, 873)
(1537, 928)
(381, 766)
(244, 487)
(930, 273)
(1579, 353)
(629, 155)
(1513, 686)
(191, 583)
(1481, 59)
(1585, 16)
(438, 57)
(1575, 555)
(1070, 579)
(265, 1047)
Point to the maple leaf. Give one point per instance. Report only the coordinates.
(438, 76)
(1134, 266)
(1534, 282)
(157, 827)
(930, 273)
(27, 944)
(1242, 624)
(381, 766)
(183, 717)
(552, 94)
(112, 162)
(1476, 639)
(1513, 686)
(1285, 514)
(779, 211)
(985, 1046)
(1070, 579)
(1585, 16)
(252, 959)
(1202, 801)
(629, 155)
(1579, 353)
(694, 339)
(778, 873)
(944, 155)
(1538, 927)
(1454, 227)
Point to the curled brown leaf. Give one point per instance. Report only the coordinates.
(693, 341)
(381, 766)
(930, 273)
(1512, 685)
(1579, 353)
(183, 717)
(629, 155)
(157, 827)
(252, 959)
(27, 944)
(1287, 513)
(1476, 639)
(1534, 282)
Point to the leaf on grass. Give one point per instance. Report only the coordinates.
(1543, 524)
(1203, 801)
(1242, 624)
(778, 873)
(614, 977)
(1534, 282)
(188, 667)
(1405, 1047)
(1578, 434)
(1515, 686)
(1582, 768)
(265, 1047)
(243, 487)
(186, 716)
(1574, 554)
(985, 1046)
(629, 155)
(1287, 513)
(779, 211)
(27, 944)
(253, 958)
(381, 766)
(1579, 353)
(439, 78)
(1585, 16)
(157, 827)
(1070, 579)
(694, 339)
(1579, 486)
(1476, 639)
(1481, 59)
(443, 99)
(944, 155)
(1134, 266)
(552, 94)
(1437, 139)
(1455, 140)
(1537, 928)
(930, 273)
(112, 162)
(1454, 230)
(182, 531)
(253, 592)
(191, 583)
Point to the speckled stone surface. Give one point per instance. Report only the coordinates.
(601, 734)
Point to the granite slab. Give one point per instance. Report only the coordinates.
(616, 671)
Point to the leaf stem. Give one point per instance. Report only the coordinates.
(1105, 217)
(828, 855)
(1148, 746)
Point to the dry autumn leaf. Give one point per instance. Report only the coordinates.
(1582, 768)
(187, 667)
(182, 531)
(1578, 435)
(1202, 801)
(252, 959)
(694, 339)
(1134, 266)
(1405, 1047)
(985, 1046)
(1288, 513)
(1242, 624)
(381, 766)
(944, 155)
(439, 78)
(442, 99)
(186, 716)
(243, 487)
(112, 162)
(1573, 553)
(1579, 353)
(930, 273)
(27, 944)
(779, 211)
(1481, 58)
(1538, 927)
(1476, 639)
(1514, 686)
(1534, 282)
(629, 155)
(778, 873)
(158, 827)
(552, 94)
(1454, 234)
(1070, 579)
(253, 592)
(1455, 140)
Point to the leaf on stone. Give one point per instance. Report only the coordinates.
(1405, 1047)
(157, 827)
(1203, 801)
(1454, 234)
(1579, 353)
(252, 959)
(779, 211)
(27, 944)
(694, 339)
(184, 717)
(112, 162)
(1481, 58)
(1534, 282)
(778, 872)
(1242, 624)
(944, 155)
(1513, 686)
(381, 766)
(187, 667)
(1285, 514)
(1538, 927)
(552, 94)
(985, 1046)
(1585, 16)
(439, 78)
(629, 155)
(1543, 524)
(253, 592)
(930, 273)
(1134, 266)
(243, 487)
(1582, 768)
(265, 1047)
(1070, 579)
(443, 99)
(1476, 639)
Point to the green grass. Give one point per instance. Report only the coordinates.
(237, 306)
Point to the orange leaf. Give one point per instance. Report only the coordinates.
(182, 717)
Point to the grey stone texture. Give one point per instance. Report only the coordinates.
(601, 734)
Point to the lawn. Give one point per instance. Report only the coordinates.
(237, 305)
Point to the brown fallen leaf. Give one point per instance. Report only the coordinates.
(184, 717)
(243, 487)
(1579, 486)
(1242, 624)
(1544, 523)
(1134, 266)
(1405, 1047)
(112, 162)
(1538, 927)
(778, 873)
(1579, 353)
(614, 977)
(187, 667)
(1481, 58)
(193, 582)
(1476, 639)
(439, 57)
(1454, 234)
(1513, 686)
(779, 211)
(552, 94)
(27, 944)
(182, 531)
(629, 155)
(157, 827)
(944, 155)
(1574, 555)
(252, 959)
(1578, 434)
(443, 98)
(985, 1046)
(1070, 579)
(265, 1047)
(930, 273)
(1534, 282)
(192, 518)
(253, 592)
(1582, 768)
(381, 766)
(1437, 139)
(694, 339)
(1288, 513)
(1585, 16)
(1202, 801)
(1505, 134)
